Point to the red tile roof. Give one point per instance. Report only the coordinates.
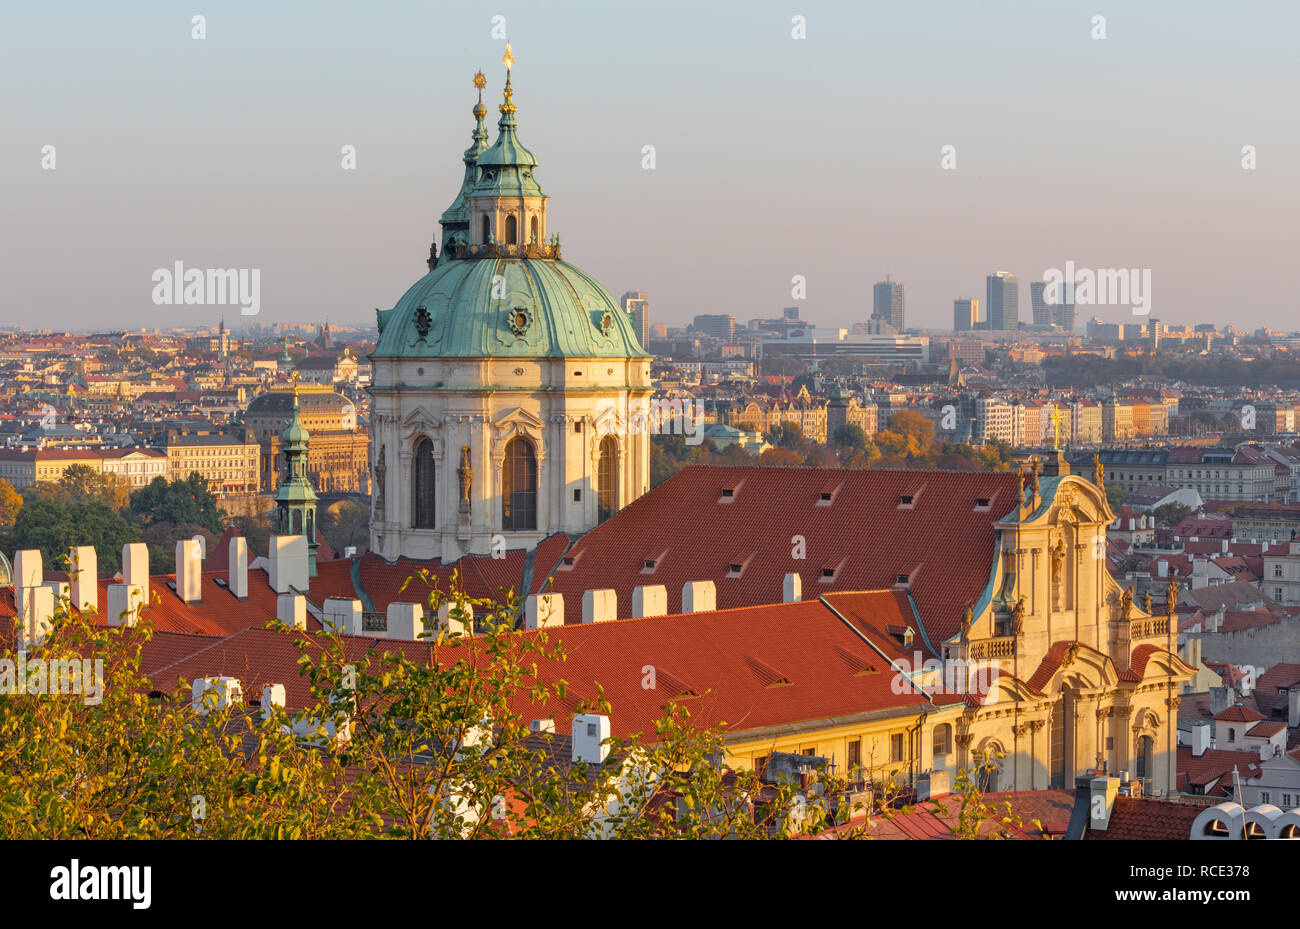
(1142, 818)
(1212, 772)
(1238, 714)
(865, 538)
(1267, 695)
(749, 668)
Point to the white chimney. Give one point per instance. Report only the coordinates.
(288, 563)
(590, 730)
(543, 610)
(342, 615)
(650, 600)
(699, 597)
(1162, 568)
(237, 579)
(29, 573)
(1293, 707)
(272, 696)
(350, 551)
(135, 565)
(456, 619)
(792, 588)
(38, 614)
(538, 726)
(62, 591)
(1103, 790)
(291, 609)
(1200, 739)
(600, 606)
(85, 578)
(405, 620)
(124, 604)
(189, 571)
(228, 692)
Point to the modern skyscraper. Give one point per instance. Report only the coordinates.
(887, 303)
(636, 303)
(1042, 310)
(965, 314)
(1003, 300)
(1063, 312)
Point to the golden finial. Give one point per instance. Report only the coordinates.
(508, 59)
(295, 389)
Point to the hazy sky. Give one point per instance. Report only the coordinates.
(775, 156)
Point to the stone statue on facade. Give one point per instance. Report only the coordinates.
(381, 471)
(1017, 620)
(1126, 604)
(466, 474)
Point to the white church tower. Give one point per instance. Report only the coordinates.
(509, 392)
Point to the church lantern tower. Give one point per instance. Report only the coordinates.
(510, 393)
(295, 501)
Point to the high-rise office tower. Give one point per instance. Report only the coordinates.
(887, 303)
(1002, 298)
(1063, 312)
(1042, 310)
(965, 314)
(636, 303)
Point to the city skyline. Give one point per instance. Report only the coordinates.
(225, 152)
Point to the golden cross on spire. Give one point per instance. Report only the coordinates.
(480, 82)
(508, 59)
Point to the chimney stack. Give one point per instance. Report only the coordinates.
(342, 616)
(650, 600)
(85, 578)
(1293, 707)
(590, 735)
(237, 580)
(288, 563)
(291, 609)
(1103, 791)
(792, 588)
(1220, 699)
(699, 597)
(189, 571)
(124, 604)
(1200, 739)
(272, 696)
(543, 610)
(405, 620)
(456, 619)
(600, 606)
(135, 566)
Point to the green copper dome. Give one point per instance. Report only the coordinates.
(550, 309)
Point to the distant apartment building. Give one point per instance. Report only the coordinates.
(1116, 421)
(636, 303)
(887, 303)
(1086, 422)
(965, 314)
(718, 325)
(996, 418)
(228, 461)
(1222, 474)
(1271, 522)
(1002, 301)
(24, 467)
(338, 454)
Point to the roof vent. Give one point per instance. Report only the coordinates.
(906, 500)
(983, 503)
(902, 579)
(825, 495)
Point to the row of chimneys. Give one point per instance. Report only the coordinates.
(35, 598)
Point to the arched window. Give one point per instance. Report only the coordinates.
(607, 478)
(1145, 749)
(487, 230)
(512, 230)
(519, 486)
(423, 484)
(532, 237)
(943, 739)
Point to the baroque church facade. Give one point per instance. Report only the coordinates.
(509, 388)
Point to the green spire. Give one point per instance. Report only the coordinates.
(295, 500)
(506, 169)
(455, 221)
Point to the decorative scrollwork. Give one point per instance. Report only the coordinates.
(521, 317)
